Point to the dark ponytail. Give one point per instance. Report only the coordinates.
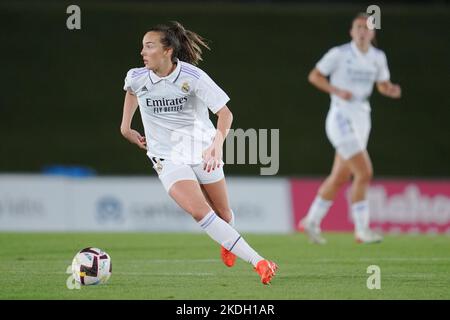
(186, 45)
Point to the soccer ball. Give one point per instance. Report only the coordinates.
(91, 266)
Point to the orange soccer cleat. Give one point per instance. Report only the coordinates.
(228, 257)
(266, 270)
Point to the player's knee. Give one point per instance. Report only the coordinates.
(364, 176)
(338, 180)
(198, 212)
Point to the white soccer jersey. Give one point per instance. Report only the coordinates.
(174, 111)
(352, 70)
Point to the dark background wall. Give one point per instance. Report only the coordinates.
(62, 96)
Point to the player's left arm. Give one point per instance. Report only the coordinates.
(224, 120)
(389, 89)
(213, 154)
(384, 85)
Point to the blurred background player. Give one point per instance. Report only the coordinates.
(353, 68)
(186, 150)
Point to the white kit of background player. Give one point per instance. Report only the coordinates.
(353, 69)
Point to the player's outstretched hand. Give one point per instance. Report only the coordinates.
(135, 137)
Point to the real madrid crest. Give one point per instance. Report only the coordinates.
(185, 87)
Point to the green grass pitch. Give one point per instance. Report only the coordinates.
(188, 266)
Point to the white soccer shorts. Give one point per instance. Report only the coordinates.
(170, 172)
(348, 132)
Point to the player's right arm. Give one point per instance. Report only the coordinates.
(129, 108)
(321, 82)
(324, 68)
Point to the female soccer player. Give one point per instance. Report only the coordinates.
(174, 96)
(353, 69)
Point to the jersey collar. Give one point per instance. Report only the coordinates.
(154, 78)
(358, 52)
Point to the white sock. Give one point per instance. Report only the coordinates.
(229, 238)
(318, 210)
(360, 214)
